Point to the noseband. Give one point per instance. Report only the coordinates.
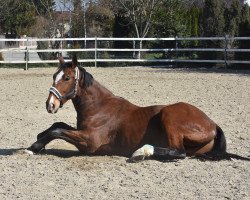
(71, 94)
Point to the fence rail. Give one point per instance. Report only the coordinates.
(27, 46)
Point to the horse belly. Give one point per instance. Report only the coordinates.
(143, 127)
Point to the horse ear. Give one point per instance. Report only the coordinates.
(74, 61)
(61, 60)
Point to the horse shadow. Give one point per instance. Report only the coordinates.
(226, 156)
(8, 152)
(63, 153)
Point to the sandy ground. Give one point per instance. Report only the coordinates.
(61, 173)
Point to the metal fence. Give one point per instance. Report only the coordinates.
(96, 46)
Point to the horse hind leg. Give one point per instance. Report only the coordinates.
(140, 154)
(219, 146)
(158, 153)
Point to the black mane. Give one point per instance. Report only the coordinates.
(87, 77)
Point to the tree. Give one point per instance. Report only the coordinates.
(174, 18)
(48, 24)
(139, 13)
(19, 23)
(43, 7)
(213, 18)
(100, 18)
(244, 31)
(77, 28)
(213, 25)
(193, 16)
(232, 18)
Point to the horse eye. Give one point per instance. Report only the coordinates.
(67, 78)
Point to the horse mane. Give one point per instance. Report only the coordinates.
(88, 78)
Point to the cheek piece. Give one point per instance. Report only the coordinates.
(69, 95)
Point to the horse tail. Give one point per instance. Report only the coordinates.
(220, 145)
(219, 151)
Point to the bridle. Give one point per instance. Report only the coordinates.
(69, 95)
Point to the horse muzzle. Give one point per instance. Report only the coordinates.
(53, 104)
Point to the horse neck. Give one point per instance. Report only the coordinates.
(88, 98)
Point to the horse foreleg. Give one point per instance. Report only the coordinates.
(53, 127)
(56, 131)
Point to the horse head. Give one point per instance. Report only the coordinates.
(65, 84)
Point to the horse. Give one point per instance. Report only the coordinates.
(111, 125)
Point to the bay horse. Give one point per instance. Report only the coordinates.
(111, 125)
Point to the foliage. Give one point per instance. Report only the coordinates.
(127, 18)
(77, 27)
(19, 23)
(213, 24)
(18, 17)
(43, 45)
(232, 18)
(122, 28)
(169, 20)
(100, 19)
(244, 31)
(139, 13)
(44, 7)
(46, 23)
(92, 19)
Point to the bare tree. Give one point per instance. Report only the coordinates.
(140, 14)
(68, 5)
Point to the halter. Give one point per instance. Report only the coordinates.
(71, 94)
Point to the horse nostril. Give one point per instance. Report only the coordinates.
(50, 107)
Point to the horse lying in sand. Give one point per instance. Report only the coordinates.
(111, 125)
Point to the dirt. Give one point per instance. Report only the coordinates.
(62, 173)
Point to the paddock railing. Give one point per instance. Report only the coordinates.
(103, 50)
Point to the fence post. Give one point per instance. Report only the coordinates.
(176, 52)
(140, 47)
(26, 57)
(225, 51)
(95, 51)
(134, 49)
(61, 47)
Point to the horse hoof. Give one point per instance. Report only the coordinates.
(28, 152)
(136, 158)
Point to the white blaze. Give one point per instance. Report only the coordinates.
(51, 101)
(51, 106)
(59, 77)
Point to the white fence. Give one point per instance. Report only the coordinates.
(29, 46)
